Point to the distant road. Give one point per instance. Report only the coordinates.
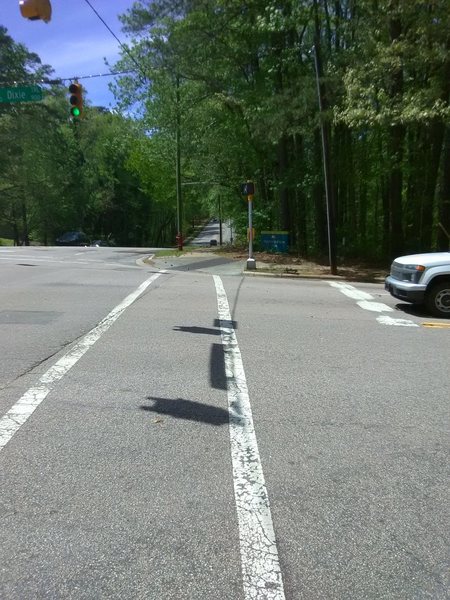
(212, 232)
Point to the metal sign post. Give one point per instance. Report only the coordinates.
(251, 262)
(248, 189)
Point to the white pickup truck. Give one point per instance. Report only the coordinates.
(422, 279)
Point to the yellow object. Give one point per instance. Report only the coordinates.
(248, 234)
(36, 10)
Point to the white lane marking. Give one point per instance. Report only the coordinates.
(27, 404)
(374, 306)
(364, 301)
(386, 320)
(261, 571)
(351, 291)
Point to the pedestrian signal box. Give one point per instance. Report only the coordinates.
(248, 188)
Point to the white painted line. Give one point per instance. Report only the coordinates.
(351, 291)
(27, 404)
(366, 301)
(261, 571)
(374, 306)
(386, 320)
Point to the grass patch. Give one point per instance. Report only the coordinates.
(176, 252)
(6, 242)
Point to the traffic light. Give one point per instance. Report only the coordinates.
(76, 100)
(36, 10)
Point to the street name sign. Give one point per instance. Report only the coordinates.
(31, 93)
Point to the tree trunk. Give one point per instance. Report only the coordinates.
(443, 242)
(320, 217)
(395, 147)
(395, 186)
(283, 163)
(300, 200)
(25, 234)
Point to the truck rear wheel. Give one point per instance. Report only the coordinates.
(437, 299)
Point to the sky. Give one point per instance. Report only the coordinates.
(75, 41)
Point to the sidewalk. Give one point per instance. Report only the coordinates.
(281, 265)
(278, 265)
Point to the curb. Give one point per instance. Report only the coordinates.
(290, 275)
(309, 276)
(143, 262)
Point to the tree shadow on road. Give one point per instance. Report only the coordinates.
(180, 408)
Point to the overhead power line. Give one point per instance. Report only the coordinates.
(124, 48)
(58, 80)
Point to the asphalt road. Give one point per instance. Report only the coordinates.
(217, 435)
(211, 231)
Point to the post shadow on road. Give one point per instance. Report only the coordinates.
(195, 329)
(197, 266)
(180, 408)
(207, 330)
(217, 375)
(225, 323)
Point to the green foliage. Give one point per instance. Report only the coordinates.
(58, 176)
(237, 85)
(248, 108)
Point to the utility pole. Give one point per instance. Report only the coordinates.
(329, 195)
(178, 168)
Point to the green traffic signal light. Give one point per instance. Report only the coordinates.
(76, 99)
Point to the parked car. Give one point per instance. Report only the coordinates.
(104, 241)
(73, 238)
(422, 279)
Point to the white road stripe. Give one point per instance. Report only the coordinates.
(365, 301)
(28, 403)
(259, 555)
(374, 306)
(386, 320)
(351, 291)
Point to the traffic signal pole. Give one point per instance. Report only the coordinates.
(251, 262)
(248, 189)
